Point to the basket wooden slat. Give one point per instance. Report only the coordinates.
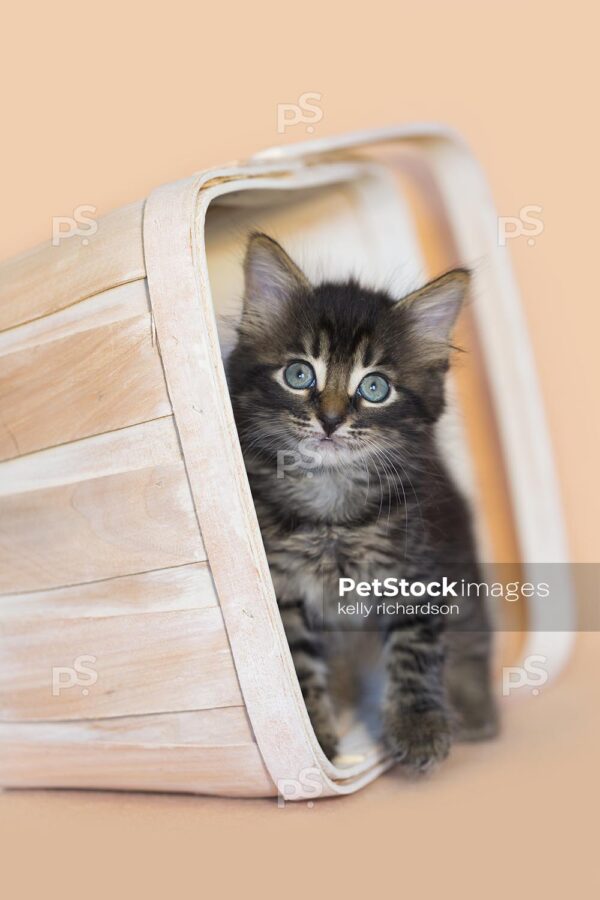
(146, 663)
(126, 301)
(234, 771)
(128, 449)
(215, 727)
(50, 278)
(163, 590)
(92, 381)
(96, 529)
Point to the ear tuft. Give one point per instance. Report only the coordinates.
(271, 277)
(434, 308)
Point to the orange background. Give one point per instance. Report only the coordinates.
(102, 102)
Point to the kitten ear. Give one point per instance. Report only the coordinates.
(270, 276)
(434, 308)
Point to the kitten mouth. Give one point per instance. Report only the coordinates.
(326, 450)
(328, 440)
(317, 449)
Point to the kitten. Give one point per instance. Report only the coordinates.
(336, 390)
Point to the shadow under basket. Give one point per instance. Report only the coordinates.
(141, 647)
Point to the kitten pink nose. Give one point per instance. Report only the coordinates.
(330, 421)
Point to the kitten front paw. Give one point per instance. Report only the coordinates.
(418, 741)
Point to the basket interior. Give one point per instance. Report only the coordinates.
(380, 227)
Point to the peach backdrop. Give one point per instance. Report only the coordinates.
(100, 103)
(103, 102)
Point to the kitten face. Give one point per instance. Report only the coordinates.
(336, 373)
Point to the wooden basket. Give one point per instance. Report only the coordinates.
(141, 644)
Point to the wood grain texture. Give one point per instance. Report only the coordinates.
(80, 385)
(140, 446)
(164, 590)
(49, 278)
(105, 527)
(236, 771)
(114, 305)
(220, 727)
(115, 666)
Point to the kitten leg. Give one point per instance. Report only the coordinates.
(469, 684)
(311, 669)
(416, 722)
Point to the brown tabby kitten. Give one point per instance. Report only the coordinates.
(336, 390)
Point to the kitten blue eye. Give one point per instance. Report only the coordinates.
(299, 375)
(374, 388)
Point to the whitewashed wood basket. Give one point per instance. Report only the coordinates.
(140, 642)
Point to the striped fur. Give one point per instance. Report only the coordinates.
(348, 488)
